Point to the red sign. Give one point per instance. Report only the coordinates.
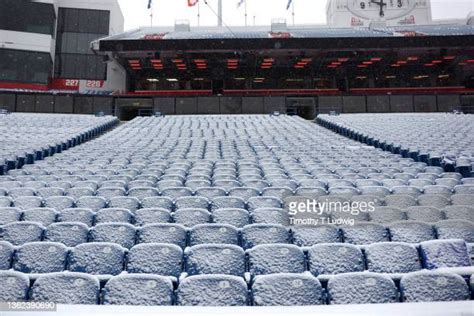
(65, 84)
(94, 83)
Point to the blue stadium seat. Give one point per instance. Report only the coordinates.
(70, 234)
(459, 212)
(307, 236)
(27, 202)
(177, 192)
(362, 288)
(5, 201)
(77, 215)
(387, 214)
(110, 192)
(212, 290)
(113, 215)
(227, 202)
(161, 259)
(59, 203)
(276, 258)
(119, 233)
(9, 215)
(14, 286)
(210, 192)
(45, 216)
(143, 192)
(6, 253)
(257, 234)
(432, 286)
(94, 203)
(215, 259)
(66, 288)
(287, 289)
(158, 202)
(455, 229)
(78, 192)
(127, 202)
(411, 231)
(147, 216)
(462, 199)
(213, 234)
(192, 202)
(270, 216)
(19, 233)
(364, 233)
(138, 289)
(40, 257)
(190, 217)
(424, 214)
(163, 233)
(392, 257)
(97, 258)
(400, 201)
(232, 216)
(245, 193)
(328, 259)
(444, 254)
(263, 202)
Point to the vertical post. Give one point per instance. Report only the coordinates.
(254, 20)
(293, 11)
(199, 13)
(219, 13)
(151, 15)
(246, 14)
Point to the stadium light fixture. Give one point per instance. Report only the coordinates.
(367, 62)
(412, 58)
(396, 65)
(429, 65)
(343, 60)
(436, 61)
(449, 57)
(376, 59)
(172, 80)
(402, 62)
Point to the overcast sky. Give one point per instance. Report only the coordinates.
(306, 11)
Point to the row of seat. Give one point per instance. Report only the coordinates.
(127, 235)
(225, 290)
(238, 217)
(323, 260)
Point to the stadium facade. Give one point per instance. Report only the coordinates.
(392, 60)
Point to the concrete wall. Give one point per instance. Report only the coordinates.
(165, 105)
(378, 103)
(354, 104)
(252, 105)
(44, 104)
(401, 103)
(63, 104)
(231, 105)
(84, 105)
(330, 103)
(425, 103)
(8, 102)
(273, 104)
(104, 104)
(25, 103)
(208, 105)
(448, 102)
(186, 106)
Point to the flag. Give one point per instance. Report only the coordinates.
(192, 3)
(289, 4)
(149, 4)
(239, 4)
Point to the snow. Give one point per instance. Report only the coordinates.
(233, 216)
(213, 234)
(334, 259)
(5, 201)
(244, 193)
(40, 257)
(161, 259)
(429, 286)
(27, 202)
(69, 233)
(462, 212)
(263, 202)
(13, 286)
(411, 231)
(362, 288)
(276, 258)
(444, 254)
(45, 216)
(119, 233)
(163, 233)
(9, 215)
(455, 229)
(364, 233)
(59, 203)
(19, 233)
(127, 202)
(257, 234)
(287, 289)
(138, 289)
(113, 215)
(192, 202)
(97, 258)
(159, 202)
(80, 215)
(212, 290)
(227, 202)
(6, 253)
(215, 259)
(270, 216)
(392, 257)
(307, 236)
(94, 203)
(147, 216)
(191, 216)
(66, 288)
(387, 214)
(424, 214)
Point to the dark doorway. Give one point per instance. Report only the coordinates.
(303, 107)
(129, 113)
